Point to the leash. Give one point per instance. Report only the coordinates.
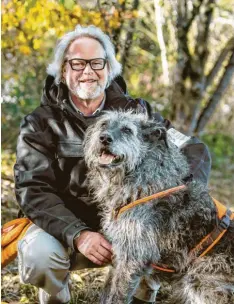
(224, 216)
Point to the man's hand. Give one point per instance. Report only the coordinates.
(94, 246)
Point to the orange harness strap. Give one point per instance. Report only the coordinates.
(118, 212)
(207, 243)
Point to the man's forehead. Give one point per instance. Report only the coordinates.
(85, 47)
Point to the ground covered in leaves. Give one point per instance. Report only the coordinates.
(86, 284)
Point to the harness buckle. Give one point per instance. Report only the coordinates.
(225, 220)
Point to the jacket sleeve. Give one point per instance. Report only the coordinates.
(199, 159)
(35, 185)
(195, 150)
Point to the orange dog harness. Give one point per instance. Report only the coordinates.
(14, 230)
(207, 243)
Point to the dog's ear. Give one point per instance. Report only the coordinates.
(154, 132)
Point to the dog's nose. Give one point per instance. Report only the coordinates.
(105, 139)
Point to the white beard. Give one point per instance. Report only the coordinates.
(88, 93)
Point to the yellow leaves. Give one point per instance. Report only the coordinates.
(24, 299)
(135, 14)
(77, 11)
(22, 37)
(134, 80)
(32, 26)
(20, 12)
(24, 49)
(7, 163)
(95, 18)
(9, 22)
(36, 44)
(5, 19)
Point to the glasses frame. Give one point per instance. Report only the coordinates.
(87, 61)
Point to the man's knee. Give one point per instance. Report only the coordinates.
(41, 256)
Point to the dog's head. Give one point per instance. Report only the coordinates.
(122, 140)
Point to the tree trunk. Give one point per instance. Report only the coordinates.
(218, 64)
(129, 36)
(216, 98)
(186, 97)
(117, 32)
(162, 46)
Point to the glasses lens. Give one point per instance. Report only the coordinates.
(78, 64)
(97, 64)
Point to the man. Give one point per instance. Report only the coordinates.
(50, 169)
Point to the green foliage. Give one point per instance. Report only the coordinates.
(221, 147)
(23, 99)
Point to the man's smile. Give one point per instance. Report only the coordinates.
(88, 80)
(87, 83)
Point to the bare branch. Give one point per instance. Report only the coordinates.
(218, 64)
(216, 98)
(129, 36)
(201, 50)
(195, 12)
(117, 32)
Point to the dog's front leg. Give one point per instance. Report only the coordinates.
(107, 288)
(121, 284)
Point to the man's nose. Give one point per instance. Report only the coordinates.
(105, 139)
(88, 69)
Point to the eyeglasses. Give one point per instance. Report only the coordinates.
(78, 64)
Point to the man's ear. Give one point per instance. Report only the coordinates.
(152, 132)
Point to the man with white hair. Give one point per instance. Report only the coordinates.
(50, 173)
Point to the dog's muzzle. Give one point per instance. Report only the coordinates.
(108, 159)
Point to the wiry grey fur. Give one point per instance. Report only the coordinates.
(163, 230)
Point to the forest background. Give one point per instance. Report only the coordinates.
(176, 54)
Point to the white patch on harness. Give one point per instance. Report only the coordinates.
(178, 138)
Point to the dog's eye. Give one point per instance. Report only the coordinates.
(126, 130)
(104, 124)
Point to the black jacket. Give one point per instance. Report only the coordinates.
(50, 173)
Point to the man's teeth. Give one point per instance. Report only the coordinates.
(84, 81)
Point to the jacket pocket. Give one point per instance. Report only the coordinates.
(70, 149)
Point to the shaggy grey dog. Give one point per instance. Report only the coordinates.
(130, 157)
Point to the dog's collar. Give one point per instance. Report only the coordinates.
(224, 216)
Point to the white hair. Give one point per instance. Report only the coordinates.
(55, 68)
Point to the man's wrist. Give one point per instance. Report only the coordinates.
(76, 238)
